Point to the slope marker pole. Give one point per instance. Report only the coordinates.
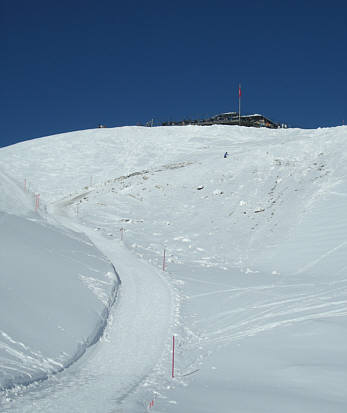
(173, 357)
(37, 201)
(164, 256)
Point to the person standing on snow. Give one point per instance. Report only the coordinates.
(226, 155)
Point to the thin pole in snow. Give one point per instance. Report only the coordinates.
(25, 185)
(173, 356)
(240, 103)
(37, 202)
(164, 259)
(121, 234)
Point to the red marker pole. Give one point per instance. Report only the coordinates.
(173, 356)
(239, 104)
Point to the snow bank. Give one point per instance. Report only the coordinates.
(56, 291)
(14, 198)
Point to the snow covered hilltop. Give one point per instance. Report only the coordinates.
(255, 287)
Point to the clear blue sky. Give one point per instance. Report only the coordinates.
(70, 65)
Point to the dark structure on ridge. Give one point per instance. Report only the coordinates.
(231, 118)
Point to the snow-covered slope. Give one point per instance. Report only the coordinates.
(14, 197)
(56, 289)
(256, 258)
(56, 293)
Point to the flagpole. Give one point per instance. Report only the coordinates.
(239, 104)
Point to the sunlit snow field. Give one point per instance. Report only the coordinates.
(254, 288)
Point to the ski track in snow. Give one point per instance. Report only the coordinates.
(141, 320)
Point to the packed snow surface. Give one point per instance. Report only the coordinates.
(56, 293)
(254, 286)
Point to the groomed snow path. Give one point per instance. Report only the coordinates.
(131, 346)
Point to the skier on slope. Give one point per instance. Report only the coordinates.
(226, 155)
